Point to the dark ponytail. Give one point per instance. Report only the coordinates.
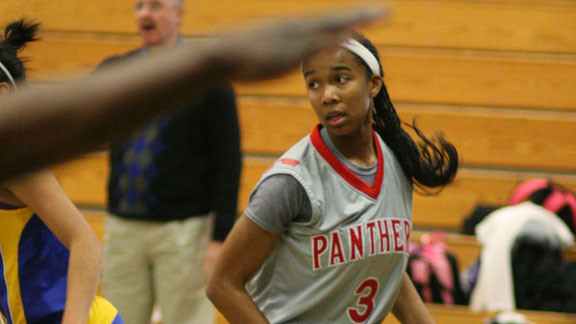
(16, 36)
(431, 163)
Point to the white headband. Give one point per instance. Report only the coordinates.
(7, 74)
(361, 51)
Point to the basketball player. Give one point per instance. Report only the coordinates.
(325, 236)
(48, 124)
(49, 256)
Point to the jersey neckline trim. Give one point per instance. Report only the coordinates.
(349, 176)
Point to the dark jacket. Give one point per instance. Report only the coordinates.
(184, 163)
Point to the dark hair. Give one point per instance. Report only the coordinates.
(16, 36)
(431, 163)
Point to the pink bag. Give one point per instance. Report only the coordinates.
(434, 271)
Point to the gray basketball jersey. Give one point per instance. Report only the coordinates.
(347, 263)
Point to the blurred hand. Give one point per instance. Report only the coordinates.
(267, 50)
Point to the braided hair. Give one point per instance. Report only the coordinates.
(431, 163)
(16, 35)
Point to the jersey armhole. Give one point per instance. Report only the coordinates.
(315, 205)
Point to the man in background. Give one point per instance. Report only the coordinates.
(165, 180)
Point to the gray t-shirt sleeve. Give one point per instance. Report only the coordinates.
(277, 201)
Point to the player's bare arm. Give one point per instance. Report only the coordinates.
(409, 308)
(41, 192)
(244, 251)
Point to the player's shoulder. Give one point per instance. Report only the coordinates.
(295, 161)
(297, 155)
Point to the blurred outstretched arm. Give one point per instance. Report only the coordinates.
(42, 126)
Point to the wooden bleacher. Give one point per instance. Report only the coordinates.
(467, 249)
(413, 75)
(443, 314)
(522, 25)
(84, 180)
(496, 76)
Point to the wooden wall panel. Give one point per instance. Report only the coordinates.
(484, 137)
(470, 188)
(448, 209)
(460, 78)
(58, 55)
(84, 180)
(509, 25)
(412, 75)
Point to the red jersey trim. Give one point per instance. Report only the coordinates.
(350, 177)
(291, 162)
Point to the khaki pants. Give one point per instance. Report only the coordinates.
(148, 263)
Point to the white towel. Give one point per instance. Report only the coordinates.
(494, 290)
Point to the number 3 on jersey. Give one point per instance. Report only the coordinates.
(365, 292)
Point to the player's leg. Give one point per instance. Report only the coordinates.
(178, 273)
(126, 276)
